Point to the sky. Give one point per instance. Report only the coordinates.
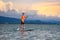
(45, 8)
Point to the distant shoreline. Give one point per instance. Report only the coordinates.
(27, 23)
(7, 20)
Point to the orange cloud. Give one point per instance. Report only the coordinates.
(22, 6)
(4, 6)
(47, 9)
(44, 8)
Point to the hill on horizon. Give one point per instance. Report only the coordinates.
(7, 20)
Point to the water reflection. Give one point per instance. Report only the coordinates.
(22, 31)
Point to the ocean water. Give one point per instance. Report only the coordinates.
(29, 32)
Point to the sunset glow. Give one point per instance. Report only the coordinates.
(47, 9)
(43, 8)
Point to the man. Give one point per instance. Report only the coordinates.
(23, 17)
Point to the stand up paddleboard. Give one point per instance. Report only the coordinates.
(29, 30)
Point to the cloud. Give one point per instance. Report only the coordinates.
(22, 7)
(47, 8)
(9, 5)
(44, 7)
(53, 0)
(4, 6)
(31, 1)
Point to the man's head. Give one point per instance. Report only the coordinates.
(22, 13)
